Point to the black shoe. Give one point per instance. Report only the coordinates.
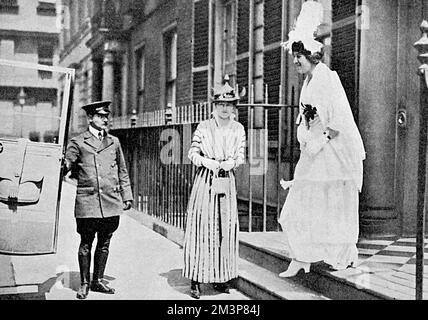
(222, 287)
(98, 286)
(195, 293)
(83, 291)
(195, 290)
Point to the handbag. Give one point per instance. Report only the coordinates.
(220, 185)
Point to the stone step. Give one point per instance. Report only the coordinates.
(320, 279)
(259, 283)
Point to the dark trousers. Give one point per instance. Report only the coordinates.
(88, 228)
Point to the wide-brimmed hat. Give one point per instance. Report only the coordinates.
(97, 107)
(225, 93)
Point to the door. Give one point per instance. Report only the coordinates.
(32, 144)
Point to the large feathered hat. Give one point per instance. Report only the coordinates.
(307, 23)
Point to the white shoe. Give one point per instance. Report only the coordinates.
(294, 268)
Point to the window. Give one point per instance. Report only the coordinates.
(258, 51)
(171, 66)
(229, 40)
(140, 67)
(45, 53)
(9, 6)
(46, 8)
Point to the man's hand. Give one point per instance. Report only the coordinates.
(64, 166)
(227, 165)
(127, 204)
(211, 164)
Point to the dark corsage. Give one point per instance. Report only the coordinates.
(309, 112)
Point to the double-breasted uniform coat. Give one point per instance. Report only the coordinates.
(102, 178)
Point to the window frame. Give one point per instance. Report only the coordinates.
(229, 41)
(140, 77)
(170, 55)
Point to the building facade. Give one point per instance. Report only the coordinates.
(28, 98)
(151, 57)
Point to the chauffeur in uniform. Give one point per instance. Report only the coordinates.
(96, 161)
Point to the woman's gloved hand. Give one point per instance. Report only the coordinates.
(227, 165)
(211, 164)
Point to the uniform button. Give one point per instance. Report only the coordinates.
(101, 191)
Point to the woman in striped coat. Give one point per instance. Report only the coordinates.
(211, 236)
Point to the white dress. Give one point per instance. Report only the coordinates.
(320, 215)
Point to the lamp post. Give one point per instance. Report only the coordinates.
(422, 46)
(22, 96)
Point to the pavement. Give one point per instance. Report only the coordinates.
(142, 265)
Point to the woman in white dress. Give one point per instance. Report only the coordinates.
(320, 215)
(211, 234)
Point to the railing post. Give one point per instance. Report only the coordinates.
(265, 156)
(279, 148)
(250, 157)
(422, 46)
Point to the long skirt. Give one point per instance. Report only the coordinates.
(211, 235)
(320, 222)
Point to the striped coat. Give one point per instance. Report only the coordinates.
(211, 236)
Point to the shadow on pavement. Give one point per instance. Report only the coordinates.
(179, 283)
(68, 280)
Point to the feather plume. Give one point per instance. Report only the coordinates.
(308, 21)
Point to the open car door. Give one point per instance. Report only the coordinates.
(30, 165)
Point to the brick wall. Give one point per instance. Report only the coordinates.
(344, 50)
(242, 80)
(200, 87)
(242, 75)
(342, 9)
(184, 51)
(272, 73)
(200, 49)
(201, 28)
(150, 33)
(272, 60)
(272, 77)
(272, 21)
(243, 26)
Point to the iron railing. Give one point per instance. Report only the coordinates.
(162, 175)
